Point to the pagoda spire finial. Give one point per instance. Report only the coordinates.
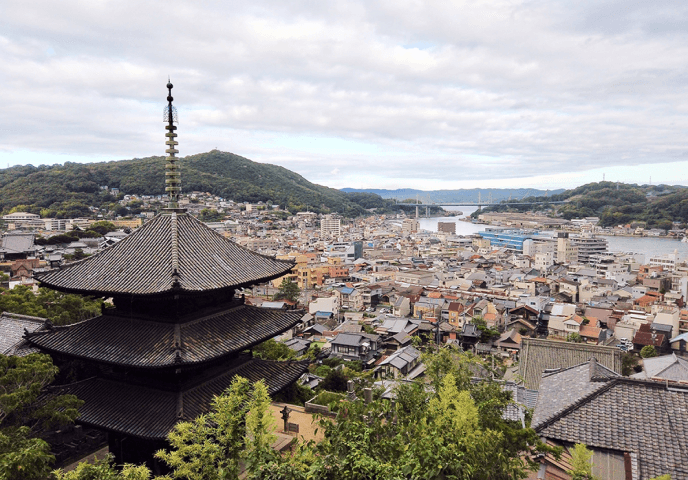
(172, 175)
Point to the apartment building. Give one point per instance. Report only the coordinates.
(331, 225)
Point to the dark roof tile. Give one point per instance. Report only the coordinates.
(149, 344)
(172, 252)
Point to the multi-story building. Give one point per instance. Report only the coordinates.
(567, 252)
(446, 227)
(668, 261)
(331, 226)
(410, 225)
(589, 245)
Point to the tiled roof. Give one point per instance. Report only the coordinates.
(12, 329)
(666, 367)
(172, 252)
(643, 418)
(538, 355)
(17, 242)
(148, 344)
(150, 413)
(563, 387)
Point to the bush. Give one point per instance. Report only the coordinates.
(335, 380)
(333, 362)
(327, 398)
(323, 371)
(648, 351)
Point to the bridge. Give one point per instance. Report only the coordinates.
(475, 204)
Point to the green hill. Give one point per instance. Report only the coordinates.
(616, 204)
(68, 190)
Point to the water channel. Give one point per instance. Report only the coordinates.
(645, 245)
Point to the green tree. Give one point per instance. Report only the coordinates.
(574, 337)
(104, 469)
(648, 351)
(211, 447)
(581, 464)
(27, 411)
(59, 308)
(210, 215)
(629, 364)
(102, 227)
(288, 290)
(273, 350)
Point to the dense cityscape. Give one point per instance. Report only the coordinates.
(368, 240)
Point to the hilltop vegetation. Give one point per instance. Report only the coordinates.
(455, 196)
(68, 190)
(616, 204)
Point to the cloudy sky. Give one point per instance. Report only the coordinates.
(370, 94)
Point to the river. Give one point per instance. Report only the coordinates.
(645, 245)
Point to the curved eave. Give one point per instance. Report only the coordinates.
(137, 422)
(172, 290)
(168, 365)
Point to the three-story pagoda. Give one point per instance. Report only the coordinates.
(177, 334)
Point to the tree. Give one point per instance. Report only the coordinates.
(648, 351)
(288, 290)
(581, 465)
(273, 350)
(334, 381)
(239, 426)
(629, 363)
(28, 410)
(59, 308)
(104, 469)
(574, 337)
(102, 227)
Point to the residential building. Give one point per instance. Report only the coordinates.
(409, 226)
(355, 346)
(446, 227)
(331, 225)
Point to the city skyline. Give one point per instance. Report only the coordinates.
(358, 94)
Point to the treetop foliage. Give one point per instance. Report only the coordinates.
(651, 205)
(66, 191)
(60, 308)
(27, 411)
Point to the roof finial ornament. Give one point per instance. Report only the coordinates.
(172, 175)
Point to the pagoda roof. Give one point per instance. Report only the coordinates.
(174, 252)
(133, 342)
(150, 413)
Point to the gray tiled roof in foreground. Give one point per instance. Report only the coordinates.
(172, 252)
(539, 355)
(643, 418)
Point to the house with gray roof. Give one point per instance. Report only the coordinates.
(635, 428)
(404, 363)
(666, 367)
(538, 355)
(355, 346)
(13, 327)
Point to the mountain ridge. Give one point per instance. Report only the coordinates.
(457, 195)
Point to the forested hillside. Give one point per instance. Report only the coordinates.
(616, 204)
(67, 190)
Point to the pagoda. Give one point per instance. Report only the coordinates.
(177, 334)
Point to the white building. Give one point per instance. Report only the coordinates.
(668, 261)
(331, 226)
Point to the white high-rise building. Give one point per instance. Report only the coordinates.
(331, 226)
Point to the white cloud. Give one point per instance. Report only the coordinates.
(401, 93)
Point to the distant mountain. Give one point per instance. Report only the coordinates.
(614, 203)
(460, 195)
(68, 190)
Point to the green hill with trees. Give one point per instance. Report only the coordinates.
(654, 206)
(68, 190)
